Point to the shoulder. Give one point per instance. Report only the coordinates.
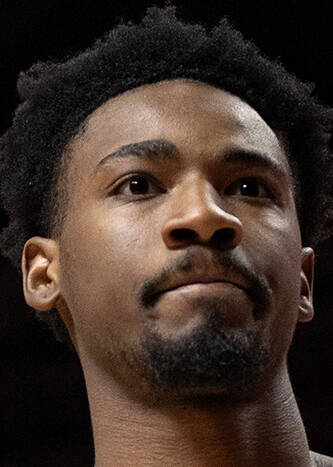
(319, 460)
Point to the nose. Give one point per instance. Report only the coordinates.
(197, 217)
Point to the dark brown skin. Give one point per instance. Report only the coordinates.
(119, 246)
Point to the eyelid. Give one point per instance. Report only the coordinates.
(271, 192)
(123, 181)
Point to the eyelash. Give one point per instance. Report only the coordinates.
(270, 192)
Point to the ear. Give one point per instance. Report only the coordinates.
(41, 284)
(305, 308)
(40, 269)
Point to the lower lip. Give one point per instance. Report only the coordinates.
(188, 302)
(200, 288)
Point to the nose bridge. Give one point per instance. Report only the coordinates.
(197, 214)
(196, 194)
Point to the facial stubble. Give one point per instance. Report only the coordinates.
(211, 360)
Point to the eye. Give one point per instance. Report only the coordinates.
(137, 185)
(251, 187)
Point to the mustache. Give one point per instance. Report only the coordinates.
(229, 262)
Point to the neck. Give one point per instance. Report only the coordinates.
(266, 432)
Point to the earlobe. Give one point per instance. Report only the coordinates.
(39, 266)
(305, 307)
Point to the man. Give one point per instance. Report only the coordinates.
(160, 188)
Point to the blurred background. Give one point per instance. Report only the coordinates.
(43, 403)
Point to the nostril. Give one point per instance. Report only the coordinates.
(225, 235)
(184, 234)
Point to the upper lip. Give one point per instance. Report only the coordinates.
(178, 280)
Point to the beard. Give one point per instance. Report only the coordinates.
(213, 361)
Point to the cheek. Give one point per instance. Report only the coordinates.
(284, 262)
(279, 247)
(99, 257)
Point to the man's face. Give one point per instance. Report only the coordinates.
(195, 203)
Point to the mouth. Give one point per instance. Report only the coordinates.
(220, 287)
(190, 303)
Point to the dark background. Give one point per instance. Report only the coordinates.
(44, 419)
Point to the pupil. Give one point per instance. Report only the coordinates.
(250, 188)
(137, 184)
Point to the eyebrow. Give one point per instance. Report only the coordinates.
(160, 149)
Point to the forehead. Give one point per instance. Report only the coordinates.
(196, 117)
